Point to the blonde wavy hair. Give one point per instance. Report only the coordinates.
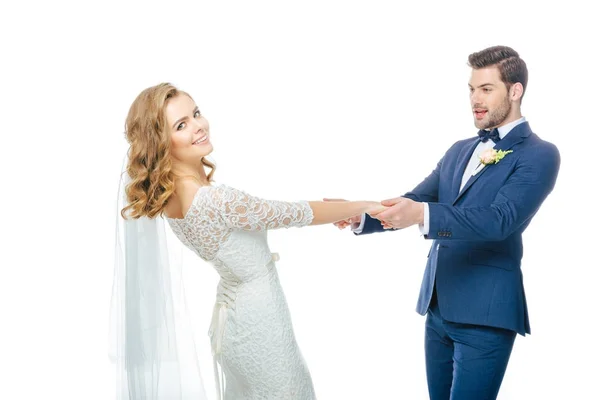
(149, 166)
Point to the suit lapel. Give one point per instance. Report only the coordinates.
(461, 165)
(514, 137)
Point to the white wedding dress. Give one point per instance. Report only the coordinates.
(251, 332)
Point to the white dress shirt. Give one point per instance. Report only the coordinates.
(471, 169)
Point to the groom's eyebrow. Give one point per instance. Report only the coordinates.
(482, 85)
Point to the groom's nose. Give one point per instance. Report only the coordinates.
(475, 98)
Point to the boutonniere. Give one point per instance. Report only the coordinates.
(492, 156)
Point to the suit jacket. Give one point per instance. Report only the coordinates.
(475, 257)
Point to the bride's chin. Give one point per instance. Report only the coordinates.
(201, 151)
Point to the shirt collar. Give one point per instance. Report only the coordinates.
(504, 129)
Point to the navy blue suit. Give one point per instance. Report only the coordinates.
(473, 276)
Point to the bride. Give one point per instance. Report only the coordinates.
(254, 349)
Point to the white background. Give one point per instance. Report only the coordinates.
(306, 100)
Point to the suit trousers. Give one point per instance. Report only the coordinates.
(464, 361)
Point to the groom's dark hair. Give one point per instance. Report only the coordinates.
(512, 68)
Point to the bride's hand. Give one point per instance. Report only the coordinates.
(375, 208)
(378, 209)
(343, 224)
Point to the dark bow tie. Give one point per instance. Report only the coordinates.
(484, 135)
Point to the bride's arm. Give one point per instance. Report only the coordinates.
(240, 210)
(333, 211)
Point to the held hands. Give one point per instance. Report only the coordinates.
(372, 208)
(354, 222)
(401, 213)
(375, 208)
(397, 213)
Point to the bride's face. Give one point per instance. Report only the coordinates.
(189, 130)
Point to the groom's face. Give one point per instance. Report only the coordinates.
(490, 102)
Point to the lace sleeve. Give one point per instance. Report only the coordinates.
(239, 210)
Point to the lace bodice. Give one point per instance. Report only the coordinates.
(218, 211)
(251, 332)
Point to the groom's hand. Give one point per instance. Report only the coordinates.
(343, 224)
(402, 213)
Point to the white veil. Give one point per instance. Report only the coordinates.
(151, 340)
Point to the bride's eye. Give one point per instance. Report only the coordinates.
(181, 126)
(196, 113)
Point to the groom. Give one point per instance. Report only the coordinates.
(475, 206)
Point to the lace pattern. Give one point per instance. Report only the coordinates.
(217, 211)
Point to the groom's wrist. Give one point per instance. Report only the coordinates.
(424, 226)
(418, 213)
(357, 227)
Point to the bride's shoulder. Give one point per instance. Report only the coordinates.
(222, 193)
(219, 187)
(213, 191)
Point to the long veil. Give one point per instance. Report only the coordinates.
(151, 340)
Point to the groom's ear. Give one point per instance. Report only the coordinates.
(516, 92)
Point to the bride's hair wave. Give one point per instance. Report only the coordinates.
(149, 165)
